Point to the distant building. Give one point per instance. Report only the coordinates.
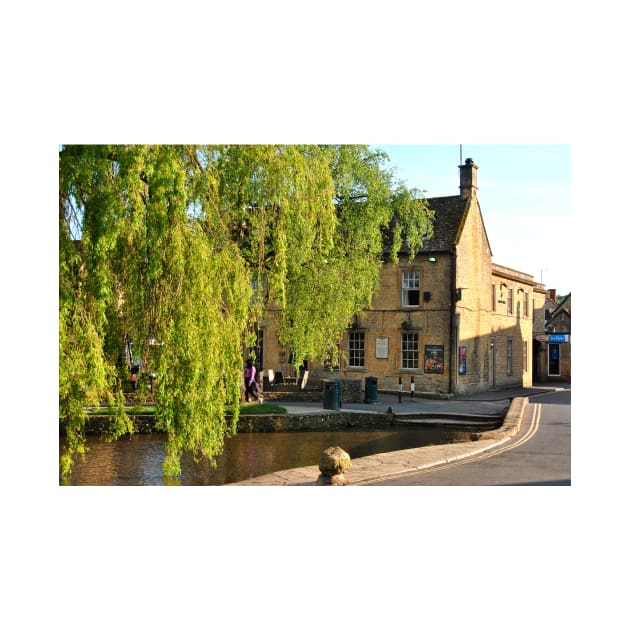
(450, 320)
(553, 340)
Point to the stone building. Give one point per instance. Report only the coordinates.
(552, 340)
(449, 321)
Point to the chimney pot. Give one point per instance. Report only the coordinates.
(467, 178)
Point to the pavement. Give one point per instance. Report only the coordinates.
(508, 403)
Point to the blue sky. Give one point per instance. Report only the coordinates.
(524, 192)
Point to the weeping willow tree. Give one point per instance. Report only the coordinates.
(372, 210)
(161, 245)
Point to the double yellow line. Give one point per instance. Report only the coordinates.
(528, 435)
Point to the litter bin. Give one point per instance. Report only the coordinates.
(332, 398)
(371, 389)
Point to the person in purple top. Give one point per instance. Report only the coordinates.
(251, 386)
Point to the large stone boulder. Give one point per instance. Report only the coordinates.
(333, 463)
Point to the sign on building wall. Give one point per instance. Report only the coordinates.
(382, 347)
(462, 360)
(559, 338)
(434, 359)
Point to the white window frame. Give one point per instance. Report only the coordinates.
(410, 282)
(356, 348)
(409, 358)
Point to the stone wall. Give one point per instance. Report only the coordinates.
(99, 424)
(350, 390)
(326, 420)
(312, 422)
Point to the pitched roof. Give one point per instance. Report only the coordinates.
(449, 214)
(565, 306)
(448, 221)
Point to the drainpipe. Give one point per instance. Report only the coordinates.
(452, 340)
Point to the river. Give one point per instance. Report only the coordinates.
(136, 460)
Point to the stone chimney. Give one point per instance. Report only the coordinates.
(467, 178)
(551, 294)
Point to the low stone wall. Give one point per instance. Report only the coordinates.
(309, 395)
(488, 426)
(350, 390)
(99, 424)
(312, 422)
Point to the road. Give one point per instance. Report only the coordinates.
(540, 455)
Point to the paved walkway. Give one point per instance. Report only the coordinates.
(382, 465)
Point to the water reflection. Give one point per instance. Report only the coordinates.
(137, 460)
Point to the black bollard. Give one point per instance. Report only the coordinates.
(412, 387)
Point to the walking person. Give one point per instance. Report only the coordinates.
(251, 386)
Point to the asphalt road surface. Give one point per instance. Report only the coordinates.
(540, 455)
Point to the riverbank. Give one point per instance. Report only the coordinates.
(456, 429)
(395, 463)
(482, 412)
(311, 416)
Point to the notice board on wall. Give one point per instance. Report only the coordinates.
(382, 347)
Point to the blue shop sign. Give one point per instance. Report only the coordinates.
(558, 338)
